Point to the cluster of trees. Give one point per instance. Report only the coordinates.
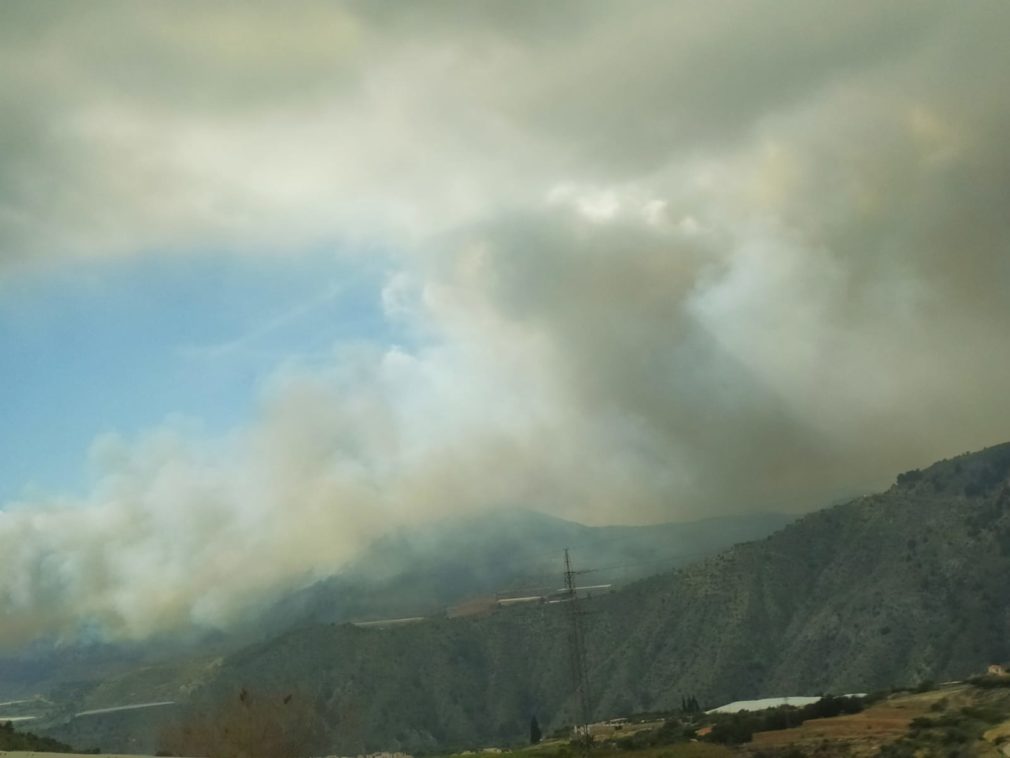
(737, 728)
(909, 477)
(12, 739)
(986, 472)
(690, 704)
(672, 731)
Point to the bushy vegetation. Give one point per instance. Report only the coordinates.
(12, 739)
(672, 731)
(952, 733)
(909, 477)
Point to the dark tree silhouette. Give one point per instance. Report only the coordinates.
(535, 733)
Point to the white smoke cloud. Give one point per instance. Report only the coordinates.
(660, 263)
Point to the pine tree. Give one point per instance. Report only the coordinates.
(535, 734)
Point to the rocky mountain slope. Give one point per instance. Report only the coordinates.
(893, 588)
(898, 587)
(424, 570)
(421, 571)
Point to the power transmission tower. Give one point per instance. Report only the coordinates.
(577, 652)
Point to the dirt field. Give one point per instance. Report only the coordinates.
(862, 733)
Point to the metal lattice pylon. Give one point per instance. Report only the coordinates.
(577, 653)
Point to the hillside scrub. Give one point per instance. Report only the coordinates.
(951, 734)
(12, 739)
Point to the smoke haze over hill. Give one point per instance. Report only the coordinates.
(644, 264)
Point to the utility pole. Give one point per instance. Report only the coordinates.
(577, 652)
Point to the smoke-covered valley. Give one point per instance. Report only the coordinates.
(636, 267)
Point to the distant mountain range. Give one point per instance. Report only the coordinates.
(422, 571)
(426, 570)
(895, 588)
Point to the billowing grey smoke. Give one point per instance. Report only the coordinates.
(663, 261)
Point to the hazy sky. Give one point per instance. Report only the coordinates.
(275, 276)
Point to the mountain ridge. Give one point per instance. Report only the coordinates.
(893, 588)
(897, 587)
(425, 570)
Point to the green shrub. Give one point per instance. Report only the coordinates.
(12, 739)
(734, 731)
(981, 713)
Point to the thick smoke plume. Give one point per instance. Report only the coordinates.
(662, 261)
